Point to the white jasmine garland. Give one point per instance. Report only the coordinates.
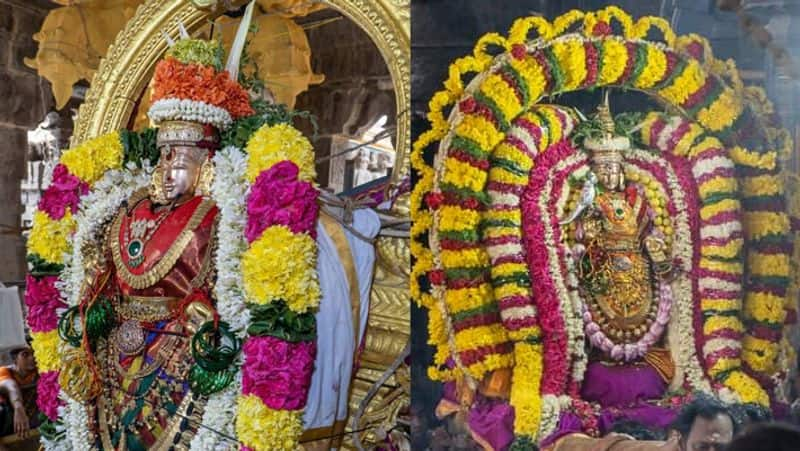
(219, 416)
(189, 110)
(77, 422)
(229, 191)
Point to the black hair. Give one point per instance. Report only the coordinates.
(750, 413)
(767, 437)
(703, 406)
(636, 430)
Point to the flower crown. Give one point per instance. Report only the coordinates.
(191, 84)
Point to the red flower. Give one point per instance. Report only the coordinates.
(601, 29)
(467, 105)
(695, 49)
(519, 51)
(436, 277)
(434, 200)
(471, 203)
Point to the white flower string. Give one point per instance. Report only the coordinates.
(189, 110)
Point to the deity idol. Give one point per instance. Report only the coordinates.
(152, 347)
(622, 264)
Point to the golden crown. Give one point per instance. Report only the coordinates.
(608, 147)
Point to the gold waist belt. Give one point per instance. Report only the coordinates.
(147, 308)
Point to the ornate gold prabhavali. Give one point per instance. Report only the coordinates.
(122, 77)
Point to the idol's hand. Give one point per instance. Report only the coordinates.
(197, 313)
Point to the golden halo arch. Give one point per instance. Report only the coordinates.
(128, 65)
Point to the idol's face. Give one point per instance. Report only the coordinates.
(181, 172)
(608, 174)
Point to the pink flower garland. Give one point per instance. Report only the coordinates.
(278, 372)
(279, 198)
(63, 193)
(47, 390)
(42, 299)
(554, 336)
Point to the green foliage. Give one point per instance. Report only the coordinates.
(39, 267)
(624, 125)
(198, 51)
(50, 430)
(523, 443)
(277, 320)
(266, 114)
(139, 146)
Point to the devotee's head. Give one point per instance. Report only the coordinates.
(705, 424)
(767, 437)
(23, 359)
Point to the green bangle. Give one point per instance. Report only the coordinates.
(215, 358)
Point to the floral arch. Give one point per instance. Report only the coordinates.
(494, 180)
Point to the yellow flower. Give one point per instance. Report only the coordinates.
(263, 429)
(510, 289)
(504, 215)
(643, 26)
(716, 323)
(464, 258)
(566, 20)
(654, 69)
(50, 238)
(525, 332)
(496, 89)
(497, 232)
(506, 269)
(533, 75)
(490, 363)
(273, 144)
(511, 153)
(91, 159)
(720, 304)
(424, 140)
(685, 143)
(461, 66)
(463, 175)
(462, 299)
(480, 130)
(760, 355)
(687, 83)
(282, 265)
(768, 264)
(437, 334)
(761, 223)
(525, 383)
(45, 349)
(423, 265)
(518, 34)
(476, 337)
(764, 307)
(720, 184)
(724, 364)
(709, 211)
(762, 185)
(728, 250)
(744, 157)
(614, 60)
(571, 57)
(647, 127)
(722, 112)
(437, 103)
(500, 174)
(747, 388)
(708, 142)
(456, 219)
(715, 265)
(479, 51)
(554, 124)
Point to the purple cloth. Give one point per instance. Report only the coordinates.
(568, 423)
(490, 419)
(621, 385)
(493, 421)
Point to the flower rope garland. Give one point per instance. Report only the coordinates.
(449, 200)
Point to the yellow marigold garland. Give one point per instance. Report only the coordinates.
(91, 159)
(272, 144)
(50, 238)
(265, 429)
(282, 265)
(45, 349)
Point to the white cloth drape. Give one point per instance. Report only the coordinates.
(328, 395)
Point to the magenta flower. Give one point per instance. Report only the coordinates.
(279, 198)
(278, 372)
(47, 394)
(42, 298)
(64, 192)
